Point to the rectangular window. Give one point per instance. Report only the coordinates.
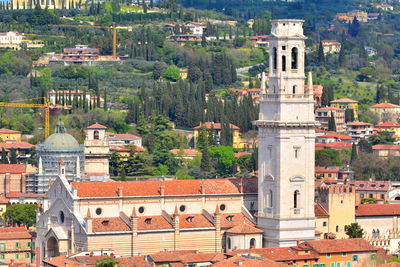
(371, 196)
(373, 257)
(344, 254)
(328, 255)
(3, 246)
(17, 256)
(18, 244)
(332, 264)
(355, 258)
(324, 223)
(348, 264)
(337, 264)
(27, 255)
(322, 265)
(306, 265)
(28, 244)
(2, 256)
(382, 196)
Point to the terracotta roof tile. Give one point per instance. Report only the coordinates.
(96, 126)
(250, 185)
(385, 105)
(185, 152)
(153, 223)
(244, 228)
(239, 154)
(386, 147)
(12, 168)
(216, 126)
(25, 195)
(232, 219)
(371, 185)
(344, 100)
(320, 211)
(377, 209)
(328, 169)
(358, 123)
(249, 261)
(338, 144)
(339, 245)
(338, 136)
(114, 136)
(11, 233)
(109, 224)
(388, 124)
(17, 145)
(152, 188)
(8, 131)
(277, 253)
(127, 148)
(194, 221)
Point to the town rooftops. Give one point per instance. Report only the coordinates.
(12, 168)
(154, 188)
(277, 253)
(96, 126)
(250, 185)
(371, 185)
(127, 148)
(17, 145)
(8, 131)
(10, 233)
(244, 228)
(330, 42)
(326, 169)
(114, 136)
(215, 125)
(337, 136)
(378, 210)
(386, 147)
(344, 101)
(339, 245)
(388, 124)
(385, 105)
(185, 152)
(320, 211)
(328, 108)
(358, 123)
(338, 144)
(185, 257)
(248, 260)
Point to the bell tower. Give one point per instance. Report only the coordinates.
(286, 132)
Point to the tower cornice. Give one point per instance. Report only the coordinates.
(283, 124)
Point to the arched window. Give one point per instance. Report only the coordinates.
(296, 199)
(283, 63)
(96, 135)
(294, 89)
(271, 199)
(229, 243)
(275, 58)
(252, 243)
(294, 58)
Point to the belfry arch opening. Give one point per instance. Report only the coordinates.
(295, 54)
(275, 58)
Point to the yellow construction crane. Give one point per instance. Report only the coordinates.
(114, 32)
(47, 105)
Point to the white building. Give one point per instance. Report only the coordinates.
(286, 141)
(11, 38)
(197, 28)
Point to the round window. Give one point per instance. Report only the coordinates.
(62, 217)
(98, 211)
(182, 208)
(141, 209)
(222, 207)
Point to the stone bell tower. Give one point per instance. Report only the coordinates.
(286, 132)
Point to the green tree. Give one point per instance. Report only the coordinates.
(327, 157)
(4, 159)
(342, 55)
(223, 158)
(172, 73)
(21, 214)
(13, 158)
(349, 115)
(122, 175)
(106, 262)
(384, 138)
(354, 230)
(332, 123)
(321, 55)
(354, 154)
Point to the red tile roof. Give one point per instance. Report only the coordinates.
(10, 233)
(388, 124)
(344, 100)
(337, 136)
(339, 245)
(320, 211)
(153, 223)
(24, 195)
(386, 147)
(250, 185)
(185, 257)
(8, 131)
(248, 261)
(232, 219)
(239, 154)
(216, 126)
(114, 136)
(185, 152)
(371, 185)
(4, 200)
(378, 209)
(152, 188)
(194, 221)
(338, 144)
(17, 146)
(277, 253)
(329, 169)
(96, 126)
(244, 228)
(12, 168)
(385, 105)
(329, 108)
(127, 148)
(358, 123)
(109, 224)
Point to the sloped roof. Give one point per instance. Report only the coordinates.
(12, 168)
(371, 185)
(338, 144)
(385, 105)
(216, 126)
(358, 123)
(244, 228)
(185, 152)
(327, 169)
(344, 101)
(10, 233)
(109, 224)
(378, 209)
(96, 126)
(152, 188)
(114, 136)
(386, 147)
(339, 245)
(277, 253)
(338, 136)
(8, 131)
(16, 145)
(387, 124)
(248, 261)
(320, 211)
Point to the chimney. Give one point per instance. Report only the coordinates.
(202, 189)
(119, 191)
(162, 190)
(11, 263)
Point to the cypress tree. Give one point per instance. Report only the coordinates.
(332, 123)
(4, 159)
(321, 56)
(205, 160)
(354, 154)
(342, 57)
(105, 100)
(13, 158)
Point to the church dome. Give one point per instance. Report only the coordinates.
(60, 140)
